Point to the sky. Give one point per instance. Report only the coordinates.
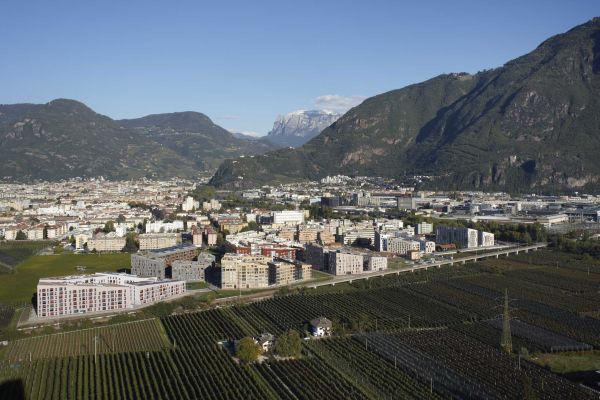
(244, 62)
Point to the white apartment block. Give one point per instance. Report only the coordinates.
(211, 205)
(424, 228)
(402, 246)
(108, 242)
(288, 217)
(485, 239)
(345, 263)
(163, 227)
(152, 241)
(426, 246)
(377, 263)
(189, 204)
(81, 294)
(244, 271)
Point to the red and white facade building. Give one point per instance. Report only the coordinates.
(82, 294)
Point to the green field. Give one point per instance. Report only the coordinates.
(564, 363)
(21, 284)
(15, 252)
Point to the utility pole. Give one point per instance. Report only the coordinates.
(506, 339)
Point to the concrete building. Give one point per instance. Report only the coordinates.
(164, 227)
(288, 217)
(464, 237)
(189, 204)
(307, 235)
(212, 205)
(402, 246)
(244, 271)
(345, 263)
(376, 263)
(424, 228)
(285, 272)
(406, 203)
(106, 242)
(426, 246)
(155, 263)
(144, 266)
(153, 241)
(316, 256)
(485, 239)
(81, 294)
(192, 271)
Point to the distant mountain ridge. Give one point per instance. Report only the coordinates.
(298, 127)
(65, 138)
(530, 125)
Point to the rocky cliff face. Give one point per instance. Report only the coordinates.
(530, 125)
(298, 127)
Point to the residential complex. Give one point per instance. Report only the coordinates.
(153, 241)
(83, 294)
(155, 263)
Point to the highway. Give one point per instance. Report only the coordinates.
(495, 254)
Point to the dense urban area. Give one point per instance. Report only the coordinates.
(356, 287)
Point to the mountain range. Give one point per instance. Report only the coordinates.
(66, 139)
(532, 124)
(298, 127)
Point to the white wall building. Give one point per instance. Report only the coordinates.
(288, 217)
(81, 294)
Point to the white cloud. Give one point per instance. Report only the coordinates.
(247, 133)
(337, 103)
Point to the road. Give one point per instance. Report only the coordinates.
(496, 254)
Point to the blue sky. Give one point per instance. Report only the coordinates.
(244, 62)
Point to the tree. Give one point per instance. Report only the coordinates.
(45, 232)
(248, 350)
(289, 344)
(131, 245)
(109, 226)
(252, 226)
(21, 236)
(210, 298)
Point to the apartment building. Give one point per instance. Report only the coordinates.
(345, 263)
(106, 242)
(244, 271)
(81, 294)
(152, 241)
(288, 217)
(485, 239)
(376, 263)
(326, 237)
(464, 237)
(316, 256)
(155, 263)
(398, 245)
(424, 228)
(285, 272)
(307, 234)
(427, 246)
(192, 271)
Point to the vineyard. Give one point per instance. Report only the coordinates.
(146, 335)
(425, 335)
